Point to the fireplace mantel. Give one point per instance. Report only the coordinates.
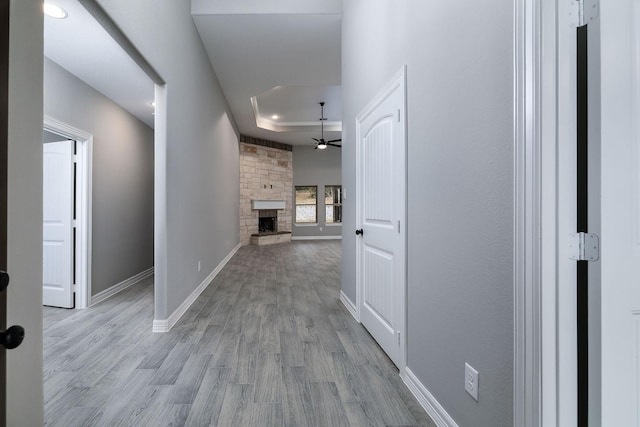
(267, 204)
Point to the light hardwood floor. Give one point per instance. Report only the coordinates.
(266, 344)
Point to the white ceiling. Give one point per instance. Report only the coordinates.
(287, 62)
(254, 7)
(80, 45)
(297, 109)
(284, 54)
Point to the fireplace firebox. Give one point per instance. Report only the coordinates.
(267, 221)
(268, 227)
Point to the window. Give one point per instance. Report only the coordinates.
(306, 204)
(333, 204)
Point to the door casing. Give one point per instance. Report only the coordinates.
(544, 201)
(559, 219)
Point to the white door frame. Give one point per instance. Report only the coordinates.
(564, 331)
(84, 159)
(544, 302)
(399, 78)
(545, 354)
(527, 210)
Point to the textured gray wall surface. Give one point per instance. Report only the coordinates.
(459, 59)
(320, 168)
(196, 147)
(122, 195)
(24, 213)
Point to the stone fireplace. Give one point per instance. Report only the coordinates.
(266, 178)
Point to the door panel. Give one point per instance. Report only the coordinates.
(381, 213)
(378, 173)
(57, 245)
(620, 210)
(378, 295)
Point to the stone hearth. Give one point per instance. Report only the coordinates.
(262, 239)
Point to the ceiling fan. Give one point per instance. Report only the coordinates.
(321, 143)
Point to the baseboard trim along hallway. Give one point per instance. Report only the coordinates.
(316, 237)
(349, 305)
(428, 402)
(419, 391)
(165, 325)
(119, 287)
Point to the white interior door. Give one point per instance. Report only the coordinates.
(620, 212)
(57, 245)
(380, 133)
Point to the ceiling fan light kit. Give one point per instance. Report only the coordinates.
(321, 143)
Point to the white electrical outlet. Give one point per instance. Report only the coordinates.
(471, 381)
(198, 266)
(320, 228)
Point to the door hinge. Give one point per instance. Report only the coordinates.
(584, 247)
(398, 334)
(398, 115)
(398, 226)
(582, 12)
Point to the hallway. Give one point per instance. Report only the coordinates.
(266, 344)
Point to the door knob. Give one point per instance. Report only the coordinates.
(12, 337)
(359, 232)
(4, 280)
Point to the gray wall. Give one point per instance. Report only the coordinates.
(24, 209)
(320, 168)
(196, 147)
(122, 225)
(460, 186)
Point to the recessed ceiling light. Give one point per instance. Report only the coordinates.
(275, 117)
(54, 11)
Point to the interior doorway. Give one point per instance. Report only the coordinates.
(67, 197)
(381, 168)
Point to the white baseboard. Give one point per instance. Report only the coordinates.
(165, 325)
(316, 237)
(119, 287)
(428, 402)
(349, 305)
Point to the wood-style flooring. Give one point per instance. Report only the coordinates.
(266, 344)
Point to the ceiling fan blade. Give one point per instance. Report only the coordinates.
(334, 145)
(316, 139)
(335, 140)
